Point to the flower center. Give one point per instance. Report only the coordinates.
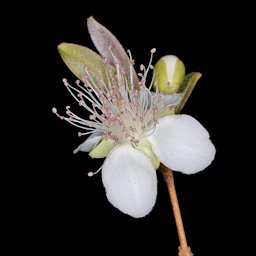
(123, 111)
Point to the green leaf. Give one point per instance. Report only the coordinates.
(186, 88)
(78, 57)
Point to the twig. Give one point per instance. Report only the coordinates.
(184, 249)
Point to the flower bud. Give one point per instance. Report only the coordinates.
(169, 74)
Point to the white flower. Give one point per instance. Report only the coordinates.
(132, 127)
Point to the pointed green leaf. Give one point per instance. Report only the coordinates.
(186, 88)
(78, 57)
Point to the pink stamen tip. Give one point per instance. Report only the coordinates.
(153, 50)
(79, 134)
(54, 110)
(90, 174)
(65, 81)
(92, 117)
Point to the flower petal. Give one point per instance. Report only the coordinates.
(89, 143)
(130, 181)
(181, 143)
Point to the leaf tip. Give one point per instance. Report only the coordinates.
(91, 22)
(199, 75)
(90, 19)
(61, 47)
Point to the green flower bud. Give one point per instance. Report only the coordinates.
(169, 74)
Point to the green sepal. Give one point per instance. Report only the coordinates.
(78, 57)
(145, 146)
(102, 149)
(186, 88)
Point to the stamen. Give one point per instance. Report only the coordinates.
(90, 174)
(132, 62)
(153, 50)
(120, 110)
(54, 110)
(84, 133)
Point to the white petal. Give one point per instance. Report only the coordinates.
(181, 143)
(89, 143)
(130, 181)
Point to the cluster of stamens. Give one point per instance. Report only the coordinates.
(123, 110)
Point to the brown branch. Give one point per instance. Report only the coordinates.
(184, 249)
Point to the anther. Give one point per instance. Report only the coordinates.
(90, 174)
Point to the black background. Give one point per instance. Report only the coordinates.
(62, 210)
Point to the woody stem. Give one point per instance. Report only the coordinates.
(184, 249)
